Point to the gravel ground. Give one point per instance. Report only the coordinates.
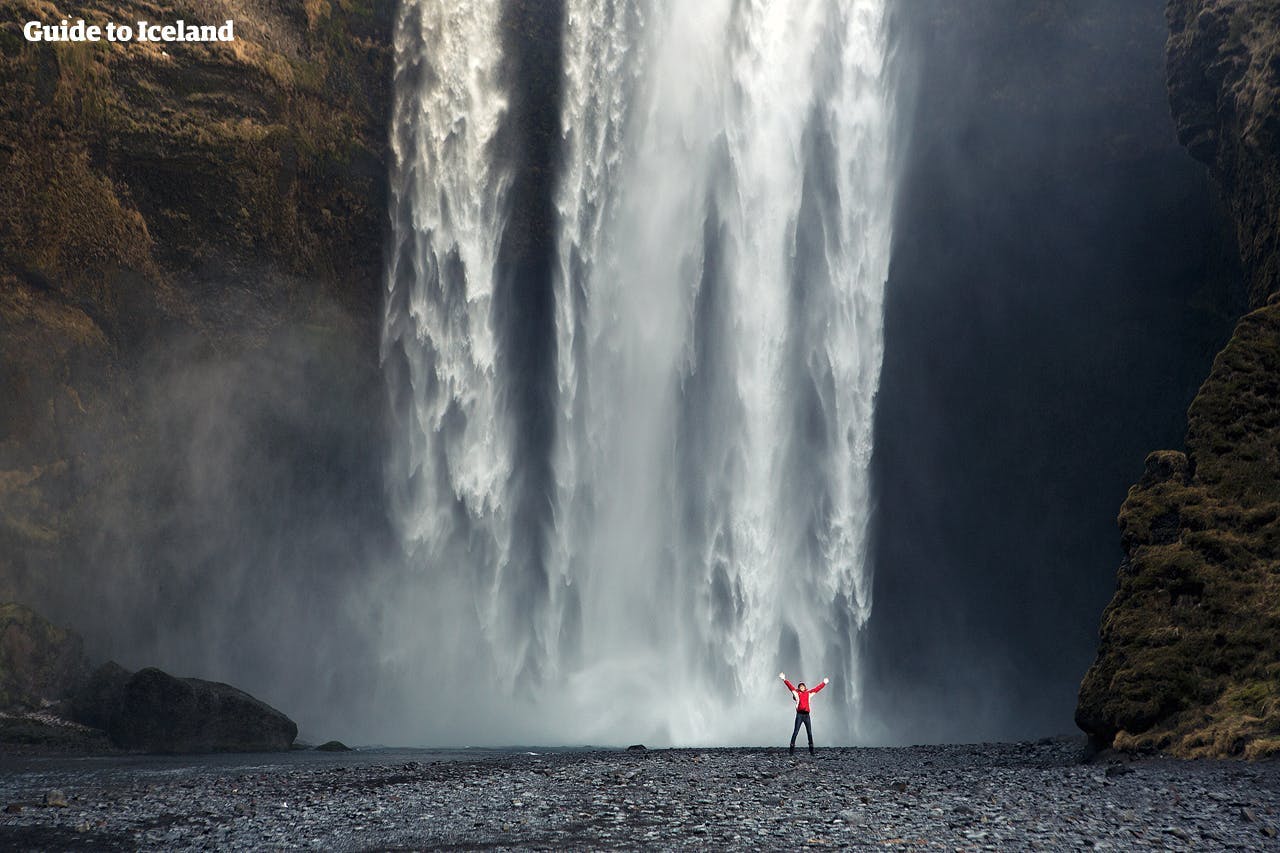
(991, 796)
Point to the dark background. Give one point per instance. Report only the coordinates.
(1060, 282)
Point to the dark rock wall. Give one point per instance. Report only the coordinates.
(1224, 87)
(190, 262)
(1060, 282)
(1189, 658)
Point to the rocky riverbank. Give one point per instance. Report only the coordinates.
(1001, 796)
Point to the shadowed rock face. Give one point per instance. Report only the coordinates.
(153, 711)
(160, 713)
(1224, 88)
(1189, 658)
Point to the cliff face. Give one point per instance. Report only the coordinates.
(189, 234)
(1189, 659)
(1224, 88)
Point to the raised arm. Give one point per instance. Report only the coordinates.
(824, 683)
(788, 683)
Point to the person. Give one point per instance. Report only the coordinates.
(801, 696)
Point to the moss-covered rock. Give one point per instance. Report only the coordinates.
(1224, 89)
(1189, 658)
(40, 663)
(194, 162)
(1189, 653)
(157, 197)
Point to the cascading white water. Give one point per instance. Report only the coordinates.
(450, 456)
(724, 203)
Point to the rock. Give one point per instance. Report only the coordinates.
(157, 712)
(1247, 814)
(153, 711)
(13, 808)
(1225, 98)
(333, 746)
(101, 697)
(1118, 770)
(281, 181)
(636, 747)
(1187, 647)
(39, 662)
(56, 798)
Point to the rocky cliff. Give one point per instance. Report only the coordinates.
(189, 234)
(1189, 655)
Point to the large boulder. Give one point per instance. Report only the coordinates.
(157, 712)
(40, 663)
(99, 700)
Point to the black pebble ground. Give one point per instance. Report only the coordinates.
(1028, 796)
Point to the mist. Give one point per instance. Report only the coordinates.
(229, 523)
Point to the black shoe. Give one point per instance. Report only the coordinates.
(792, 752)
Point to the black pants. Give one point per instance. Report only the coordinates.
(802, 717)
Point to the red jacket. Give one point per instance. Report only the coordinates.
(802, 696)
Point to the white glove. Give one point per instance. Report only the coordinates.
(826, 681)
(782, 676)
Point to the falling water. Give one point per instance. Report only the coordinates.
(721, 247)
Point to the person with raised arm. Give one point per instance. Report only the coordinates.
(800, 694)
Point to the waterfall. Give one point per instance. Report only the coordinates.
(722, 199)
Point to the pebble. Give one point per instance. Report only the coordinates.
(995, 796)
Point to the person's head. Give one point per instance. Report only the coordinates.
(800, 686)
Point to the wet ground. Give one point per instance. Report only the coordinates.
(992, 796)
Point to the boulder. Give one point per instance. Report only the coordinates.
(40, 663)
(157, 712)
(100, 698)
(333, 746)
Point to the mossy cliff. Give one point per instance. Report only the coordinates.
(1189, 658)
(171, 208)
